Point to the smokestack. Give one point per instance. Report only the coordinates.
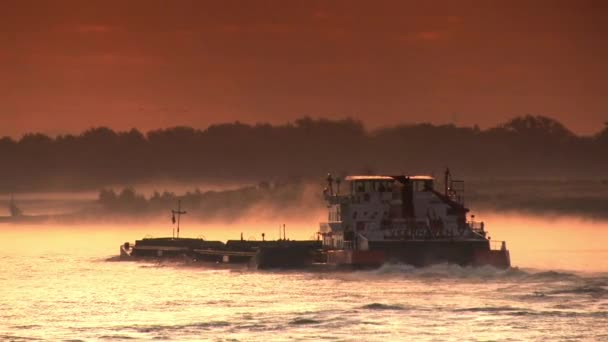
(330, 184)
(338, 181)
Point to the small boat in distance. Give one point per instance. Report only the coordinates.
(16, 215)
(14, 209)
(378, 219)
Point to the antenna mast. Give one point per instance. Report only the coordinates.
(179, 213)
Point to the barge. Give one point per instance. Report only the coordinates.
(378, 219)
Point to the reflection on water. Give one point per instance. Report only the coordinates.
(56, 284)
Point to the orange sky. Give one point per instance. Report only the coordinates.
(69, 65)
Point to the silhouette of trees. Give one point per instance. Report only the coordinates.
(227, 205)
(127, 201)
(537, 126)
(527, 146)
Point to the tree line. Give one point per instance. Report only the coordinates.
(226, 205)
(524, 147)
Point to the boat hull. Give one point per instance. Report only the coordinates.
(303, 254)
(422, 253)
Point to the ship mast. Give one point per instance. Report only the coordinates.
(13, 208)
(179, 213)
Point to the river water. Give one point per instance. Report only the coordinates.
(60, 283)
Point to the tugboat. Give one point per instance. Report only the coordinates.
(404, 219)
(380, 219)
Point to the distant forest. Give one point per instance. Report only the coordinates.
(289, 199)
(535, 147)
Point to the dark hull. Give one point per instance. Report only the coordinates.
(284, 257)
(302, 254)
(428, 252)
(259, 254)
(422, 253)
(170, 247)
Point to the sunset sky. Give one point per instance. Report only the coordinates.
(68, 65)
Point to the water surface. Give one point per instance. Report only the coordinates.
(57, 284)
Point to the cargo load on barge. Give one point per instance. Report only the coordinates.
(377, 219)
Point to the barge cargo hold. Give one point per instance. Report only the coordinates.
(258, 254)
(377, 220)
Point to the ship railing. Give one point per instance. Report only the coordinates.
(339, 199)
(477, 227)
(496, 245)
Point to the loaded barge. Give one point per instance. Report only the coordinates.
(377, 220)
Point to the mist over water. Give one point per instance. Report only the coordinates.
(57, 284)
(551, 242)
(544, 242)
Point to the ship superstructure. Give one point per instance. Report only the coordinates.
(403, 219)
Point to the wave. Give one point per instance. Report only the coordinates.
(304, 321)
(451, 271)
(115, 258)
(161, 328)
(551, 276)
(18, 338)
(380, 306)
(447, 271)
(515, 311)
(494, 309)
(27, 326)
(587, 289)
(116, 337)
